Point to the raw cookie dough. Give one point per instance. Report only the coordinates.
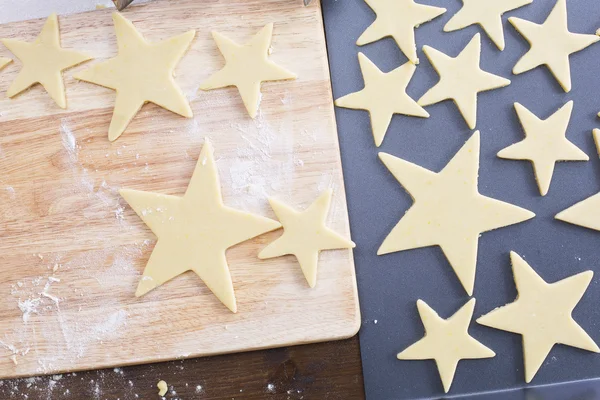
(246, 67)
(541, 313)
(551, 44)
(305, 235)
(545, 143)
(448, 210)
(4, 62)
(162, 388)
(43, 62)
(585, 213)
(461, 79)
(447, 341)
(383, 96)
(194, 231)
(486, 13)
(398, 19)
(141, 72)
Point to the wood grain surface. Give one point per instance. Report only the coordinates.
(72, 251)
(323, 371)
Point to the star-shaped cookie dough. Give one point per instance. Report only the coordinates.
(486, 13)
(585, 213)
(551, 44)
(246, 67)
(398, 19)
(545, 143)
(461, 79)
(383, 96)
(194, 231)
(43, 62)
(448, 210)
(305, 235)
(542, 314)
(141, 72)
(447, 341)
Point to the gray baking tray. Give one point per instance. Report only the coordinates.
(390, 285)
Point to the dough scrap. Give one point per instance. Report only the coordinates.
(486, 13)
(551, 44)
(123, 73)
(398, 19)
(194, 231)
(585, 213)
(545, 143)
(246, 67)
(447, 341)
(383, 96)
(43, 62)
(448, 210)
(541, 313)
(461, 79)
(305, 235)
(162, 388)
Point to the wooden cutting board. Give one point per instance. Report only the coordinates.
(72, 251)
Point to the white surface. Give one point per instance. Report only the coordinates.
(19, 10)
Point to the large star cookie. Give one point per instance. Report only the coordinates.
(194, 231)
(448, 210)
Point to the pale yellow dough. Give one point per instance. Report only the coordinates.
(447, 341)
(545, 143)
(398, 19)
(43, 62)
(4, 62)
(461, 79)
(194, 231)
(246, 67)
(162, 388)
(541, 313)
(141, 72)
(551, 44)
(383, 96)
(585, 213)
(305, 235)
(448, 210)
(486, 13)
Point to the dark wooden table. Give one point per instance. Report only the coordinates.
(317, 371)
